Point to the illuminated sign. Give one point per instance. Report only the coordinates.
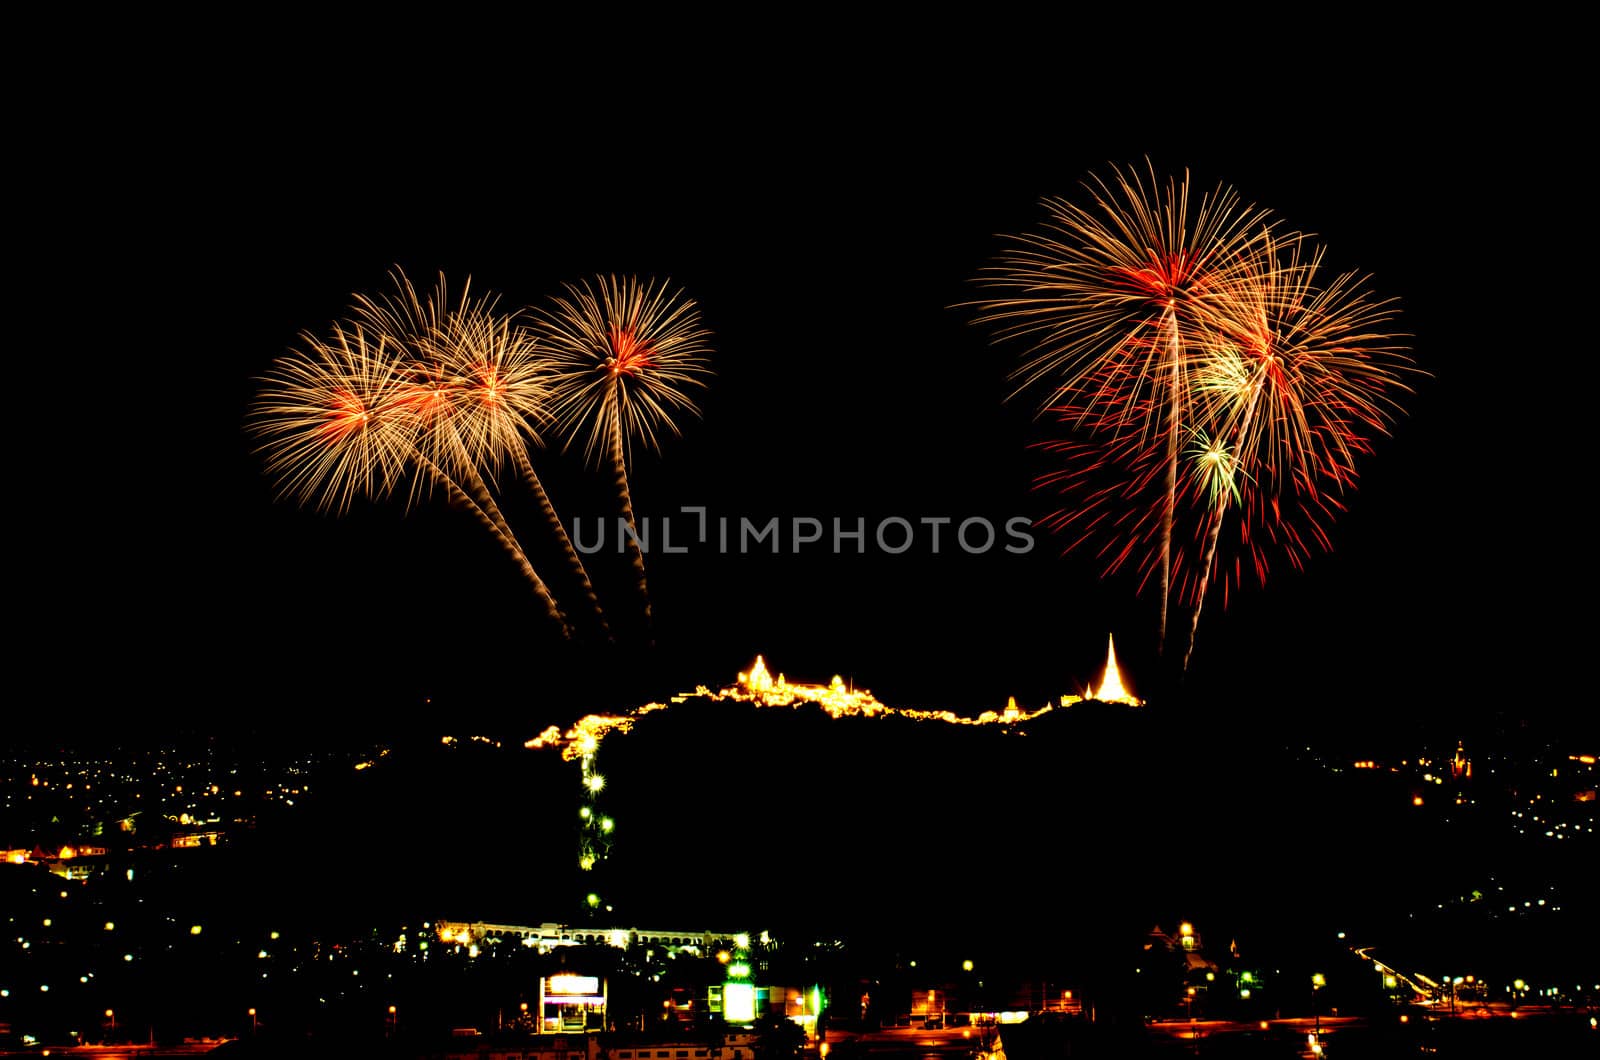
(572, 986)
(739, 1003)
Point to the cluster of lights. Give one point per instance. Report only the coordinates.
(187, 792)
(1539, 814)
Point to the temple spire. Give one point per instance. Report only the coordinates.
(1111, 689)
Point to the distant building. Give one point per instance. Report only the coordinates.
(547, 936)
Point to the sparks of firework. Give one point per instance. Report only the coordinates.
(627, 356)
(1146, 322)
(1290, 379)
(334, 420)
(482, 387)
(350, 416)
(1114, 293)
(1214, 468)
(480, 384)
(1110, 302)
(1298, 379)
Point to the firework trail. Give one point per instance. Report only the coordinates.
(625, 356)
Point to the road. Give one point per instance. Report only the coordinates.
(118, 1052)
(943, 1041)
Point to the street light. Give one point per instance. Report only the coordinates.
(111, 1014)
(252, 1020)
(1318, 981)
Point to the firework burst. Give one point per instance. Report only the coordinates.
(412, 388)
(480, 388)
(1147, 323)
(627, 356)
(334, 421)
(1110, 301)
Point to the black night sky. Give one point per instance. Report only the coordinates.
(168, 258)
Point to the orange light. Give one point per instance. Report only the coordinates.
(629, 354)
(1416, 800)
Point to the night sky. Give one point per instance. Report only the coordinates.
(167, 260)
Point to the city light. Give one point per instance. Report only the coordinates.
(739, 1002)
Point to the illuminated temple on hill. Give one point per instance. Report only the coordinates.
(839, 698)
(1111, 689)
(581, 743)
